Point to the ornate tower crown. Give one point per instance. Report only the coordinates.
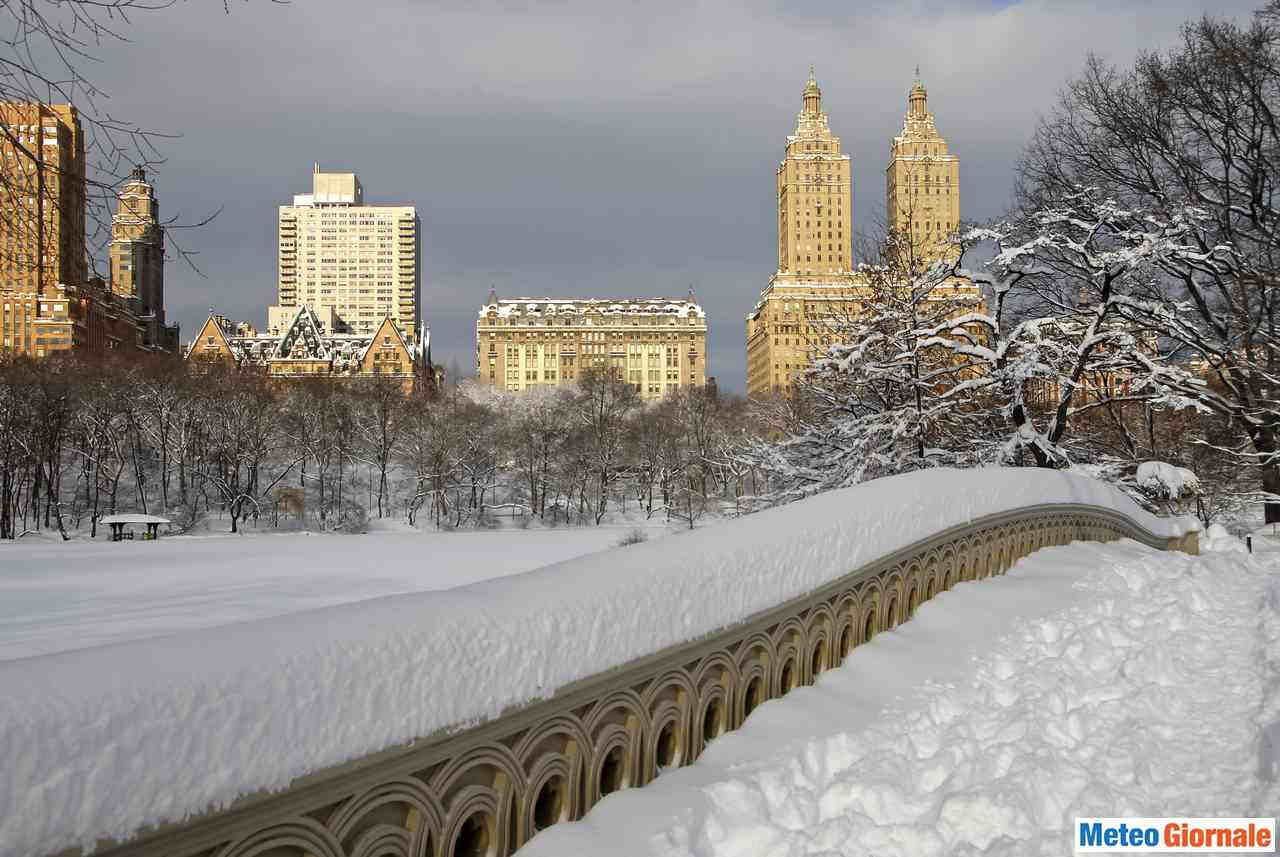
(917, 102)
(812, 95)
(918, 123)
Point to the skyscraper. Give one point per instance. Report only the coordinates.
(815, 208)
(41, 223)
(922, 182)
(352, 263)
(815, 279)
(137, 258)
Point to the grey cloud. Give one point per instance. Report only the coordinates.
(575, 148)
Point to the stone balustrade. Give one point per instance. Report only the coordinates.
(486, 790)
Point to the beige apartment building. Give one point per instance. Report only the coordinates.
(815, 290)
(339, 255)
(655, 344)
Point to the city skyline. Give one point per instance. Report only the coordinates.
(635, 161)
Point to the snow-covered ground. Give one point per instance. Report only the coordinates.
(58, 596)
(101, 741)
(1092, 680)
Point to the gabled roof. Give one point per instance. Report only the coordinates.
(213, 327)
(304, 329)
(387, 327)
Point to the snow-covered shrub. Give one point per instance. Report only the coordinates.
(1164, 481)
(634, 536)
(351, 518)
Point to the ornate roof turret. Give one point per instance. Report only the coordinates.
(812, 95)
(918, 124)
(918, 100)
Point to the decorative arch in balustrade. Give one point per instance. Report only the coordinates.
(485, 791)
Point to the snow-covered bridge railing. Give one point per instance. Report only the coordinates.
(461, 722)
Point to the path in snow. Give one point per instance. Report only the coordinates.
(1093, 680)
(57, 597)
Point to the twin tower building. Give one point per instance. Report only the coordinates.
(660, 344)
(815, 279)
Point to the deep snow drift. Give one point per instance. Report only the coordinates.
(1092, 680)
(59, 596)
(101, 741)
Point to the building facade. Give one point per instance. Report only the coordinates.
(307, 348)
(655, 344)
(42, 250)
(337, 253)
(816, 290)
(922, 183)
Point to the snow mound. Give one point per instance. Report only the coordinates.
(1093, 680)
(1218, 538)
(102, 741)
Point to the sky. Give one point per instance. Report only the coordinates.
(577, 149)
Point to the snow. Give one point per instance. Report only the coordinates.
(101, 741)
(60, 596)
(545, 306)
(1092, 680)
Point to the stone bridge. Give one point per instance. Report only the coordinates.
(487, 789)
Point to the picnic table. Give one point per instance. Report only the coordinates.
(117, 523)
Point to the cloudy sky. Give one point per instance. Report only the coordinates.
(578, 148)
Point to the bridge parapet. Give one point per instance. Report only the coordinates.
(485, 790)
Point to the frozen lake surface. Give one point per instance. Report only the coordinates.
(57, 597)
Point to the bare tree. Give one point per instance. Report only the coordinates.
(601, 408)
(1193, 128)
(380, 416)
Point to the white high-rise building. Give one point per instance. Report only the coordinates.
(352, 263)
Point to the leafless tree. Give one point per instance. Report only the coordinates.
(1195, 127)
(601, 408)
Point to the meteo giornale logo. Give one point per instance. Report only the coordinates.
(1175, 835)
